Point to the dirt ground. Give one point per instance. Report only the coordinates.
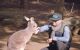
(36, 45)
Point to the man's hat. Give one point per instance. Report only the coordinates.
(56, 16)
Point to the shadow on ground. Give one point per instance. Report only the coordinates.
(1, 45)
(75, 45)
(40, 38)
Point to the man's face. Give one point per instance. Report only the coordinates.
(56, 23)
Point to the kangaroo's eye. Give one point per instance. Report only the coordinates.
(33, 26)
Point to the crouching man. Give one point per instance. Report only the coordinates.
(59, 33)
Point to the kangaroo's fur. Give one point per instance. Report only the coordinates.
(18, 40)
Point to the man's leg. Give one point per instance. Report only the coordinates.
(62, 45)
(52, 46)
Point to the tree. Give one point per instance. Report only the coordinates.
(21, 3)
(59, 4)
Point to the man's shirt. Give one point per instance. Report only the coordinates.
(64, 38)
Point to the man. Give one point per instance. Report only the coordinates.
(59, 33)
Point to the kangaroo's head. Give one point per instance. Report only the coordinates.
(32, 25)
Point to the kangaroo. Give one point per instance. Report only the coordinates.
(18, 40)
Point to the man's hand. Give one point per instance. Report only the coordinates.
(49, 40)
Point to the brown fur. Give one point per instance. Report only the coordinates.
(18, 40)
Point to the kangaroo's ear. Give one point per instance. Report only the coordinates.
(32, 19)
(26, 18)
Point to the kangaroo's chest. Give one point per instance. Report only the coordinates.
(20, 37)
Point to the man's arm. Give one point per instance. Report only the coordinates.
(44, 28)
(65, 37)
